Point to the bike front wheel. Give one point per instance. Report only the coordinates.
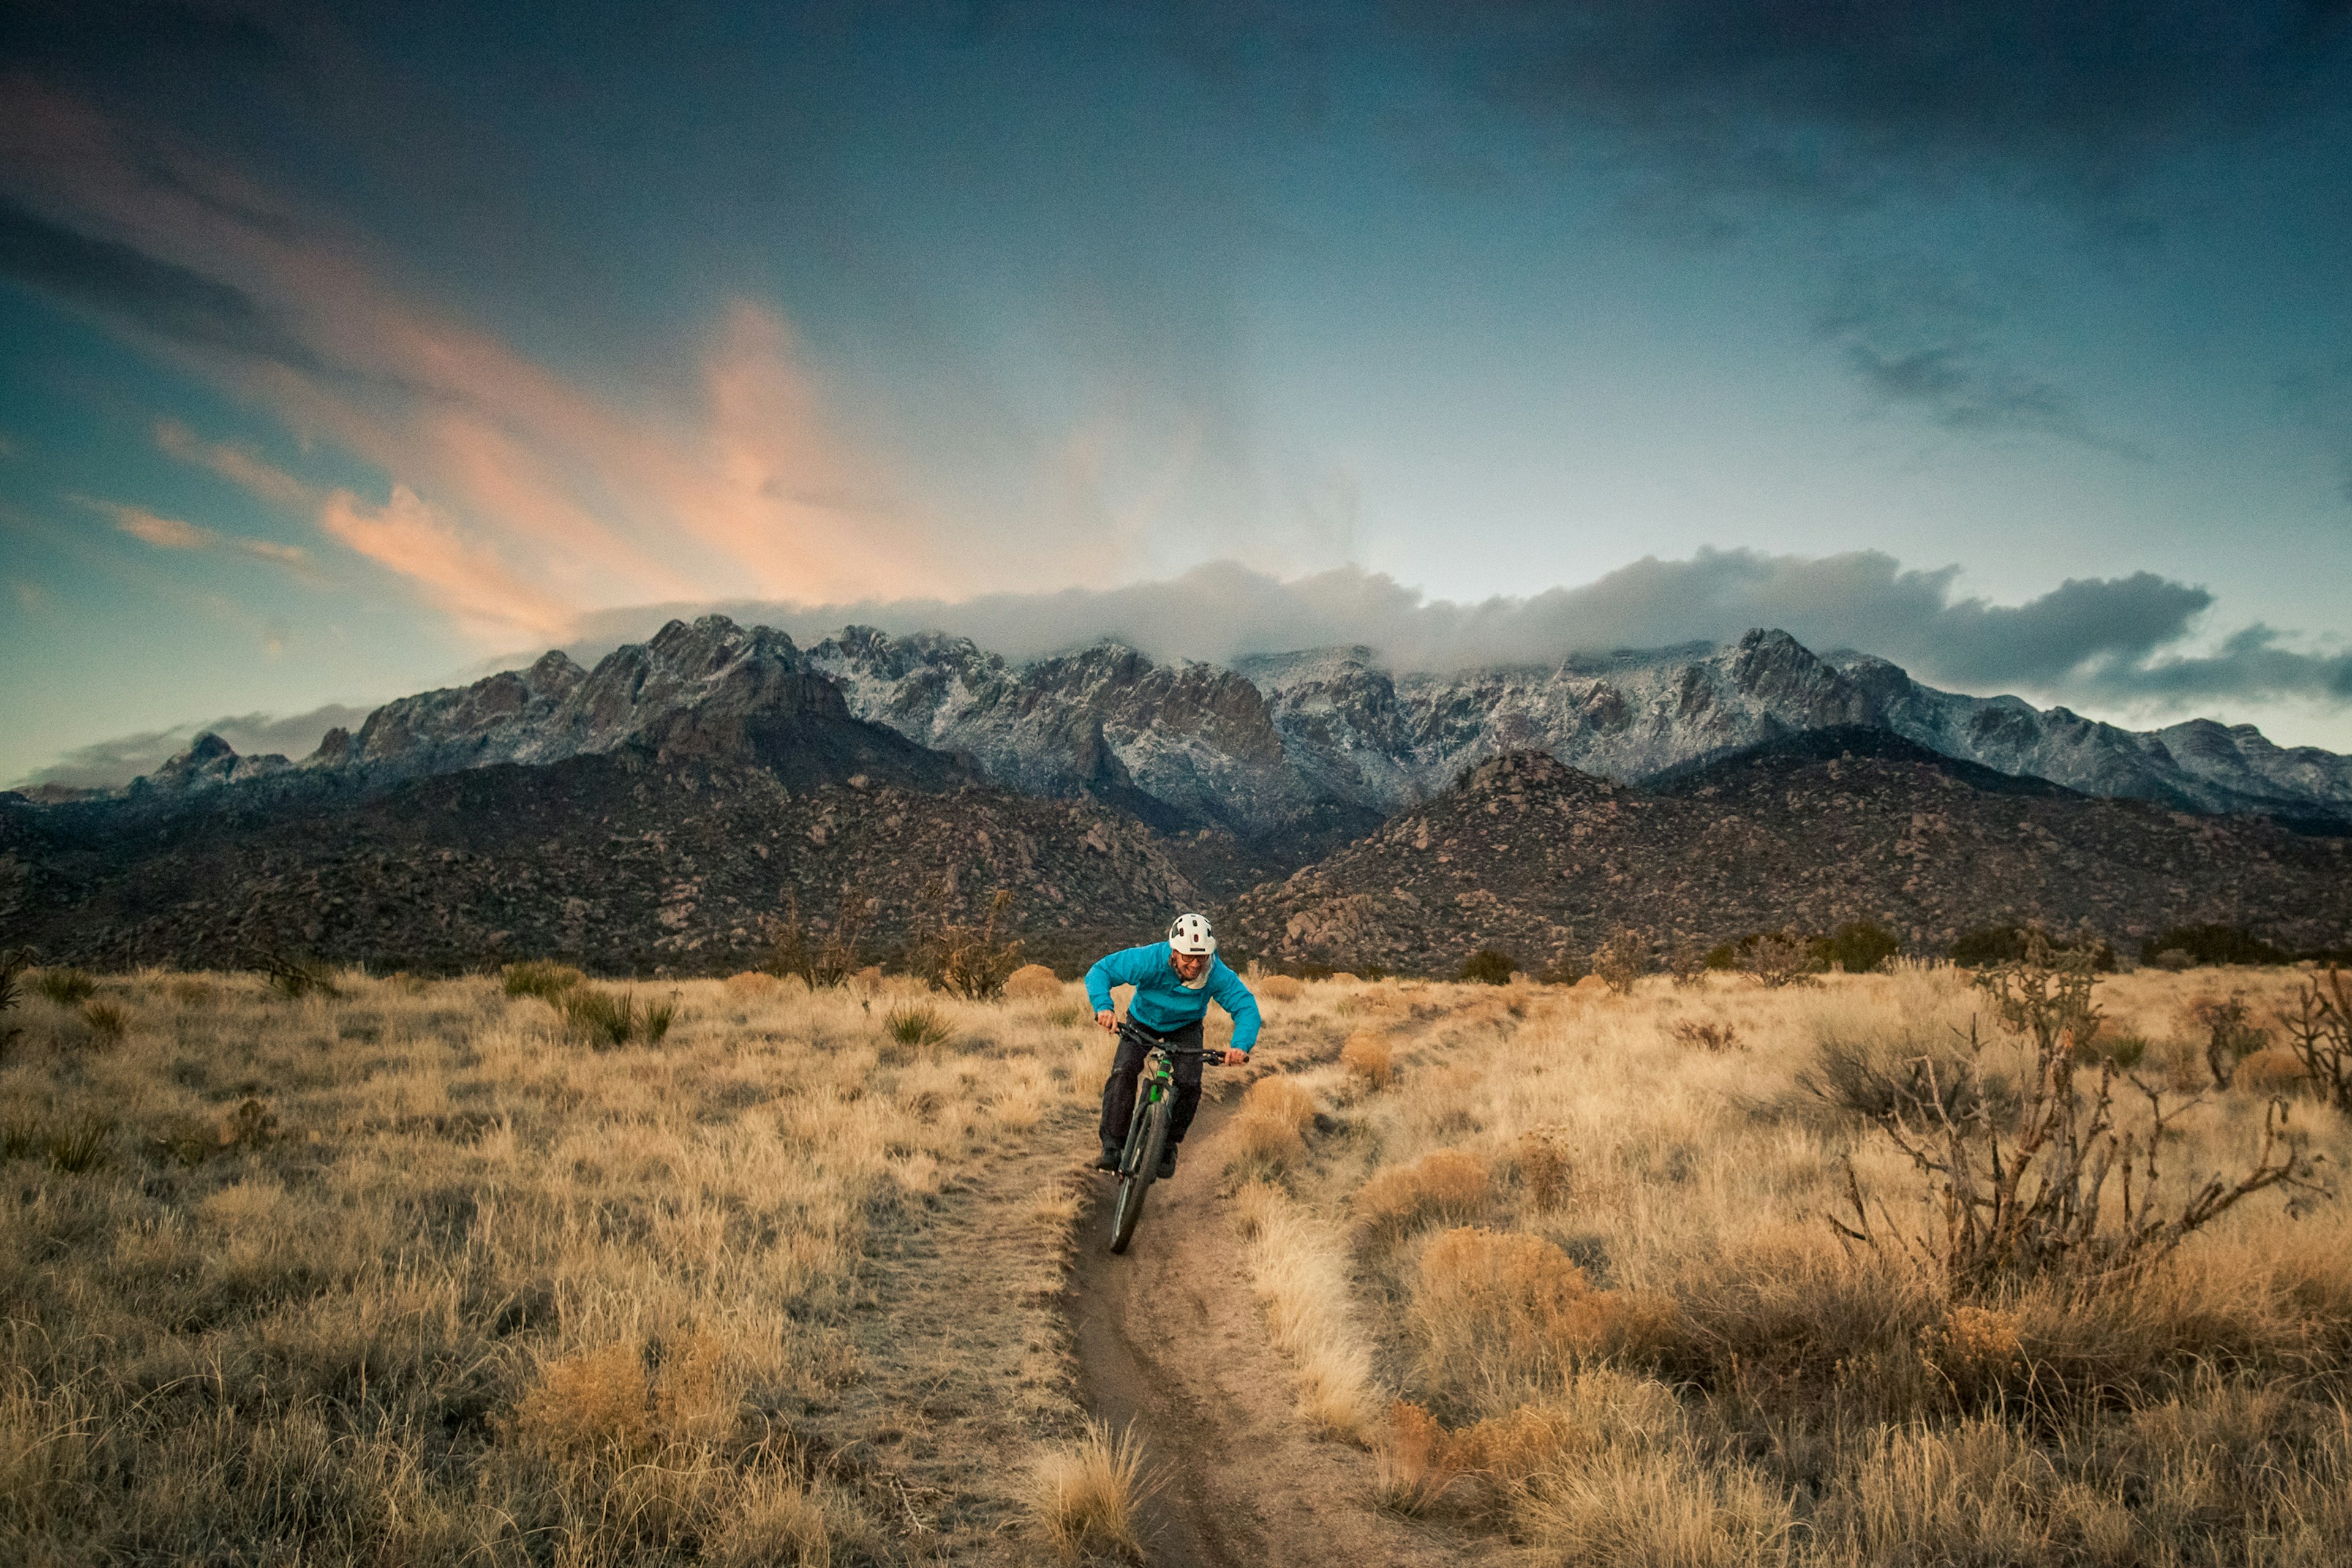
(1135, 1176)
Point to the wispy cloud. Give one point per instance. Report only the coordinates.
(175, 533)
(241, 466)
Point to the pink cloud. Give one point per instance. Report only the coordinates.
(163, 532)
(588, 500)
(466, 579)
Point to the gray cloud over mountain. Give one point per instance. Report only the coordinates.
(2089, 639)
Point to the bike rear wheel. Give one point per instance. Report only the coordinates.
(1144, 1147)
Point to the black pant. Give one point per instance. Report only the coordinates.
(1119, 1094)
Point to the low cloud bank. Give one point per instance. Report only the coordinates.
(106, 764)
(2113, 640)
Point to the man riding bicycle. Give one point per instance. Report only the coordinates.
(1174, 981)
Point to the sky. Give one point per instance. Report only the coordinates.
(351, 350)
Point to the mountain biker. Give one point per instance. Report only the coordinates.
(1174, 981)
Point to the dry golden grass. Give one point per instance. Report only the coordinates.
(1646, 1346)
(1444, 1184)
(1085, 1496)
(1300, 1270)
(409, 1274)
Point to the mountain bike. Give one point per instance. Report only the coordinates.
(1146, 1138)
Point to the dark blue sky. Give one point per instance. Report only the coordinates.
(345, 353)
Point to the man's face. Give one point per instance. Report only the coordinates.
(1189, 965)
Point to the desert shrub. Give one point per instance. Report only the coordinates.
(1086, 1498)
(1779, 958)
(1281, 1099)
(1543, 1170)
(1366, 1055)
(1261, 1142)
(1496, 1308)
(2319, 1032)
(915, 1024)
(1622, 959)
(1444, 1184)
(537, 977)
(2272, 1073)
(965, 958)
(1989, 945)
(1279, 987)
(1033, 983)
(1489, 966)
(1899, 1075)
(1723, 955)
(294, 978)
(1412, 1469)
(1686, 960)
(821, 960)
(2029, 1201)
(2229, 1034)
(605, 1019)
(108, 1020)
(2209, 945)
(1860, 946)
(1700, 1035)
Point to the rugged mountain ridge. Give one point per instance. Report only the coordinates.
(1298, 752)
(1544, 861)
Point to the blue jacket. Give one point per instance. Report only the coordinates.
(1164, 1004)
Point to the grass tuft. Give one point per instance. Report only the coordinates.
(1085, 1496)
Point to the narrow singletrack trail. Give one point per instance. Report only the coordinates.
(1171, 1338)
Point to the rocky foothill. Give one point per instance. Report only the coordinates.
(1544, 862)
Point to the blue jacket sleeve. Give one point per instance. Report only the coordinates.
(1112, 969)
(1235, 998)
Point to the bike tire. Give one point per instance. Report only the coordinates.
(1136, 1179)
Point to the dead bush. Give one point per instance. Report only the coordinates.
(1622, 959)
(1366, 1056)
(1278, 987)
(2229, 1034)
(2031, 1200)
(753, 983)
(821, 960)
(1444, 1184)
(1543, 1170)
(1686, 960)
(1711, 1037)
(959, 957)
(1779, 958)
(2319, 1032)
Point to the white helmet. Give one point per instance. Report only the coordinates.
(1190, 934)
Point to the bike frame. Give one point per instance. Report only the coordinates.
(1147, 1129)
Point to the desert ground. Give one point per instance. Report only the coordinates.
(403, 1272)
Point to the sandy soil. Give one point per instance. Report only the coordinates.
(1170, 1337)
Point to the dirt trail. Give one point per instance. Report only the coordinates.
(961, 1354)
(1171, 1338)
